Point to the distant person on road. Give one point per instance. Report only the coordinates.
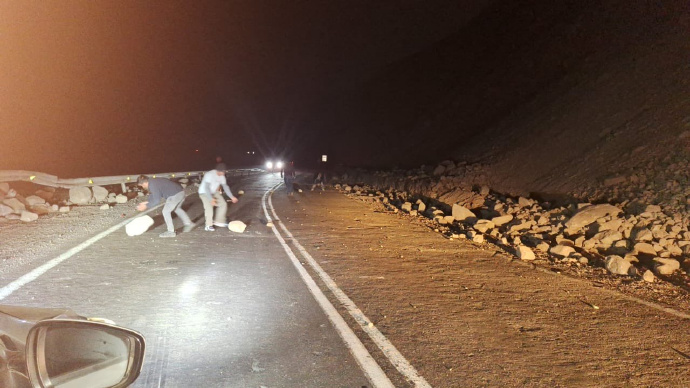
(319, 179)
(211, 197)
(288, 173)
(173, 194)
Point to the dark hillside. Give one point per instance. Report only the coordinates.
(547, 95)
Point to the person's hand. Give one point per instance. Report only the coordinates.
(214, 202)
(234, 199)
(142, 206)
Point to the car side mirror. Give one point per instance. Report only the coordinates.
(65, 353)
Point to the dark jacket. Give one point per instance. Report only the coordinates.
(161, 188)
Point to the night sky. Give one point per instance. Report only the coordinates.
(104, 87)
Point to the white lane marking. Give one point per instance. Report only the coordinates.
(391, 352)
(371, 369)
(37, 272)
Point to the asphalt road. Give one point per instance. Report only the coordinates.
(218, 309)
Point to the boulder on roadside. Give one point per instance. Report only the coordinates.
(407, 206)
(524, 253)
(100, 194)
(590, 214)
(16, 205)
(461, 213)
(483, 226)
(562, 250)
(5, 210)
(502, 220)
(121, 198)
(34, 200)
(80, 195)
(617, 265)
(41, 208)
(28, 216)
(645, 249)
(666, 266)
(105, 206)
(64, 209)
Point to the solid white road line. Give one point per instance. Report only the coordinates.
(390, 351)
(371, 369)
(36, 272)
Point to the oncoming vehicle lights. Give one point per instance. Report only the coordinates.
(270, 165)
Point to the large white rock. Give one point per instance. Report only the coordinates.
(80, 195)
(237, 226)
(121, 198)
(99, 193)
(461, 213)
(28, 216)
(34, 200)
(590, 214)
(15, 204)
(138, 225)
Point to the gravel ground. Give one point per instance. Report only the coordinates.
(22, 243)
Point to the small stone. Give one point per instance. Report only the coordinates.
(105, 207)
(237, 226)
(648, 276)
(407, 206)
(64, 209)
(121, 198)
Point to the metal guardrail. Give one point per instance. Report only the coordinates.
(53, 181)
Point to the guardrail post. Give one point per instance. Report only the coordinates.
(124, 187)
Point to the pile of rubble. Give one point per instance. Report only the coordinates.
(626, 238)
(46, 200)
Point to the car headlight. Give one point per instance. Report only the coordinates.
(279, 164)
(269, 165)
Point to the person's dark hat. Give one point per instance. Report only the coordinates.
(221, 167)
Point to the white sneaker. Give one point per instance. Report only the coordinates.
(220, 224)
(210, 229)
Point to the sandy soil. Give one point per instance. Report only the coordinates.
(469, 315)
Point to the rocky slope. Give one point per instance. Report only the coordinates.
(553, 99)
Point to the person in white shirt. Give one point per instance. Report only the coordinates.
(211, 197)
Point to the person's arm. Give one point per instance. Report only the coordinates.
(227, 190)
